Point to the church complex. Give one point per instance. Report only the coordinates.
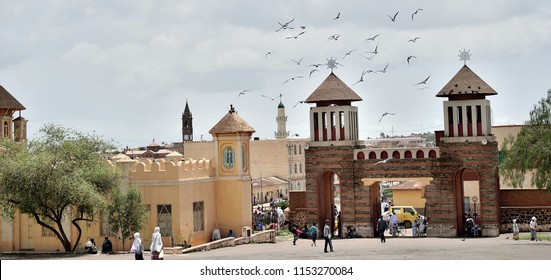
(198, 186)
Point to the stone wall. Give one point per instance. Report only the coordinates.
(523, 216)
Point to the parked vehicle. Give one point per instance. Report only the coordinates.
(406, 214)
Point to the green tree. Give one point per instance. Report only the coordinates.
(62, 175)
(126, 213)
(530, 149)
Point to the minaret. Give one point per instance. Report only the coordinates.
(281, 120)
(187, 125)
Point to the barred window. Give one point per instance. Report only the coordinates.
(164, 219)
(198, 216)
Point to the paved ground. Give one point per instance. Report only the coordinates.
(397, 248)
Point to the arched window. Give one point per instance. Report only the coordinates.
(384, 155)
(420, 154)
(432, 154)
(296, 168)
(396, 154)
(407, 154)
(361, 155)
(372, 155)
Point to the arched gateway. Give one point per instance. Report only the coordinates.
(460, 171)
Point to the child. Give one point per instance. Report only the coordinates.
(296, 233)
(314, 232)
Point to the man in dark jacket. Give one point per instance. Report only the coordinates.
(381, 227)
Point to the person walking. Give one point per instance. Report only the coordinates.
(156, 247)
(533, 229)
(137, 247)
(327, 236)
(381, 228)
(314, 233)
(516, 230)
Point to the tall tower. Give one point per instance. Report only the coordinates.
(467, 113)
(281, 120)
(333, 118)
(187, 125)
(231, 136)
(11, 128)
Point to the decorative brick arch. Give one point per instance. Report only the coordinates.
(407, 154)
(420, 154)
(361, 155)
(384, 155)
(325, 198)
(432, 154)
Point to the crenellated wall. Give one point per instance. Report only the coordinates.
(161, 169)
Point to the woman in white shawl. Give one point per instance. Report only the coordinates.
(156, 245)
(137, 247)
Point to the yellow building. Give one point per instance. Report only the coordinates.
(187, 198)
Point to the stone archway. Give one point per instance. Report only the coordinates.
(467, 195)
(326, 189)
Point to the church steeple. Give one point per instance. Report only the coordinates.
(187, 125)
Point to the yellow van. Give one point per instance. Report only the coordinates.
(406, 214)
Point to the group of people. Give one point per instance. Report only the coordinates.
(157, 252)
(533, 226)
(312, 233)
(106, 247)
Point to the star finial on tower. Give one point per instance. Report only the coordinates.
(464, 55)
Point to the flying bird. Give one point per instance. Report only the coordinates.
(312, 71)
(242, 92)
(293, 78)
(414, 13)
(297, 62)
(268, 53)
(285, 25)
(410, 57)
(414, 39)
(272, 98)
(300, 102)
(362, 77)
(296, 36)
(373, 38)
(384, 115)
(338, 16)
(394, 17)
(369, 58)
(316, 65)
(383, 161)
(375, 51)
(423, 88)
(334, 37)
(348, 53)
(424, 82)
(384, 69)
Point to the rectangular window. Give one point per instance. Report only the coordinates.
(198, 216)
(164, 219)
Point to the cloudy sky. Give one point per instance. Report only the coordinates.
(124, 69)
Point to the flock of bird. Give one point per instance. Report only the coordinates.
(301, 30)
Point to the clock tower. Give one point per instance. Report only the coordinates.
(231, 136)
